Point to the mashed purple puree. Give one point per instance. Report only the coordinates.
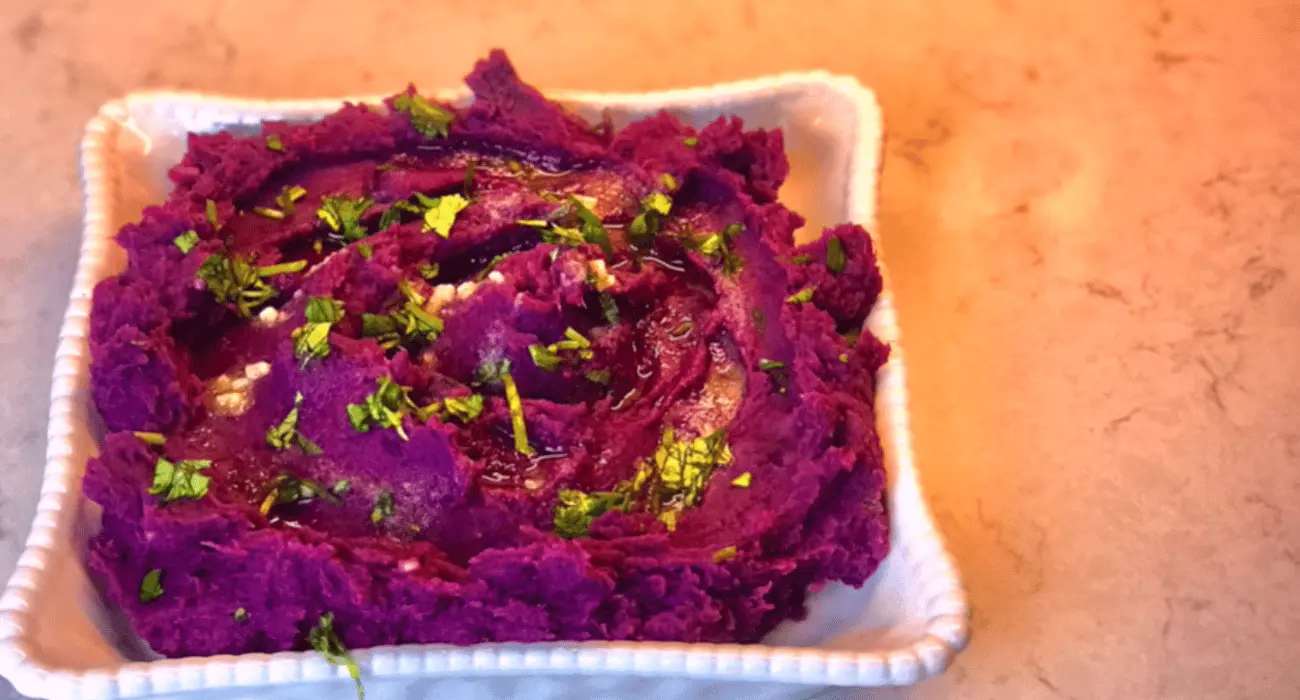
(481, 374)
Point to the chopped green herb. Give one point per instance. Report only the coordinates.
(844, 357)
(342, 214)
(535, 223)
(682, 330)
(427, 118)
(429, 271)
(210, 209)
(282, 268)
(770, 365)
(241, 615)
(183, 479)
(440, 214)
(575, 510)
(593, 230)
(836, 258)
(599, 376)
(546, 359)
(802, 296)
(311, 341)
(325, 640)
(186, 241)
(609, 307)
(683, 468)
(156, 439)
(720, 246)
(365, 251)
(288, 198)
(743, 481)
(393, 214)
(286, 435)
(341, 487)
(658, 203)
(491, 372)
(269, 212)
(516, 406)
(801, 259)
(669, 181)
(724, 554)
(410, 325)
(690, 141)
(563, 235)
(287, 488)
(573, 341)
(151, 586)
(274, 143)
(383, 507)
(385, 408)
(463, 408)
(487, 269)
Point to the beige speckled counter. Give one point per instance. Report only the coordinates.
(1091, 211)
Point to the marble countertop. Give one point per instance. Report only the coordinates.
(1090, 211)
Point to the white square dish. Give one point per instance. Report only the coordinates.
(57, 640)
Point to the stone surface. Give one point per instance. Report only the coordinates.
(1092, 215)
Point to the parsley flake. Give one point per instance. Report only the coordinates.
(836, 258)
(743, 481)
(593, 230)
(516, 406)
(802, 296)
(241, 615)
(463, 408)
(342, 214)
(598, 376)
(428, 271)
(151, 586)
(210, 210)
(186, 241)
(574, 347)
(769, 365)
(311, 341)
(341, 487)
(669, 181)
(234, 279)
(269, 213)
(156, 439)
(410, 326)
(546, 359)
(690, 141)
(383, 507)
(274, 143)
(182, 479)
(430, 120)
(325, 640)
(287, 488)
(724, 554)
(365, 251)
(575, 510)
(683, 467)
(385, 408)
(609, 307)
(288, 198)
(286, 435)
(440, 213)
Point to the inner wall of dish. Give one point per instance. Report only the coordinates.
(820, 130)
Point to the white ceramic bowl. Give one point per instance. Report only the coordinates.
(57, 639)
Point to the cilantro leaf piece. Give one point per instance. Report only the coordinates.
(690, 141)
(669, 181)
(288, 198)
(516, 406)
(546, 359)
(682, 468)
(609, 308)
(240, 615)
(563, 235)
(410, 326)
(769, 365)
(743, 481)
(802, 296)
(682, 330)
(383, 507)
(183, 479)
(658, 203)
(341, 487)
(593, 230)
(235, 280)
(597, 376)
(427, 118)
(269, 212)
(428, 271)
(151, 586)
(836, 258)
(491, 372)
(535, 223)
(156, 439)
(323, 309)
(365, 251)
(287, 488)
(342, 214)
(575, 510)
(724, 554)
(463, 408)
(441, 212)
(274, 143)
(387, 407)
(210, 210)
(646, 225)
(186, 241)
(311, 341)
(286, 435)
(487, 269)
(325, 640)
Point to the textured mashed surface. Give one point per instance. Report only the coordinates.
(468, 553)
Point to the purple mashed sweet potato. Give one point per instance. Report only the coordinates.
(482, 374)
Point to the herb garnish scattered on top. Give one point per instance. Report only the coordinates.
(287, 488)
(210, 210)
(234, 279)
(410, 326)
(835, 255)
(593, 230)
(690, 141)
(802, 296)
(151, 586)
(286, 435)
(182, 479)
(383, 507)
(386, 408)
(720, 247)
(725, 554)
(575, 510)
(574, 347)
(312, 340)
(646, 225)
(743, 481)
(274, 143)
(186, 241)
(426, 117)
(325, 640)
(440, 212)
(514, 403)
(155, 439)
(342, 214)
(288, 198)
